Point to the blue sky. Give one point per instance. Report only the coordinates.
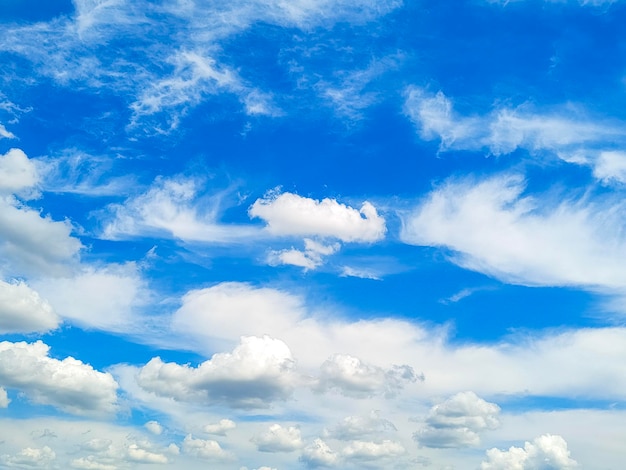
(266, 235)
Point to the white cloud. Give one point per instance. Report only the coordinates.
(279, 439)
(318, 454)
(205, 449)
(30, 458)
(175, 69)
(353, 91)
(567, 133)
(367, 451)
(458, 421)
(257, 372)
(547, 452)
(154, 427)
(69, 385)
(352, 377)
(231, 309)
(22, 310)
(139, 455)
(220, 428)
(289, 214)
(76, 172)
(32, 244)
(311, 258)
(17, 172)
(562, 363)
(494, 228)
(89, 463)
(611, 166)
(4, 398)
(172, 207)
(359, 427)
(5, 134)
(103, 298)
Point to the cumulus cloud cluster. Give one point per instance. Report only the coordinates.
(547, 452)
(458, 422)
(257, 372)
(69, 385)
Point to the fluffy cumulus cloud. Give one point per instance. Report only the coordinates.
(359, 427)
(205, 449)
(154, 427)
(319, 454)
(290, 214)
(17, 172)
(279, 439)
(138, 454)
(172, 207)
(569, 133)
(365, 451)
(458, 421)
(69, 385)
(355, 378)
(22, 310)
(30, 458)
(220, 428)
(494, 228)
(547, 452)
(257, 372)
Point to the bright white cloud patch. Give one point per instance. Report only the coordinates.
(173, 207)
(69, 385)
(22, 310)
(17, 172)
(154, 427)
(220, 428)
(30, 458)
(104, 298)
(4, 398)
(32, 244)
(364, 451)
(138, 454)
(279, 439)
(495, 229)
(458, 421)
(229, 310)
(353, 377)
(257, 372)
(205, 449)
(289, 214)
(547, 452)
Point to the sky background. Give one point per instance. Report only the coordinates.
(270, 235)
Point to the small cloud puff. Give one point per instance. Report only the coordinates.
(352, 377)
(220, 428)
(288, 214)
(279, 439)
(458, 421)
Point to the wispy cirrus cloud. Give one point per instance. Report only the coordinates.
(492, 226)
(567, 132)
